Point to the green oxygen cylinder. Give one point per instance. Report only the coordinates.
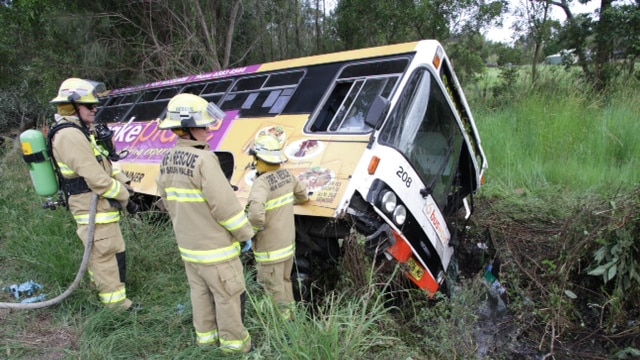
(35, 154)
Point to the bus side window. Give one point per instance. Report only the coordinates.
(262, 95)
(331, 106)
(210, 91)
(153, 103)
(117, 108)
(353, 93)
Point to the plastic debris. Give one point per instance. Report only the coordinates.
(28, 288)
(34, 299)
(498, 298)
(180, 309)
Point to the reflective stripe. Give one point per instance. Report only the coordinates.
(101, 218)
(210, 256)
(236, 222)
(234, 345)
(114, 190)
(65, 169)
(256, 229)
(207, 338)
(279, 202)
(113, 297)
(272, 256)
(115, 172)
(97, 149)
(184, 195)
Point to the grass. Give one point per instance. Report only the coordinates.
(561, 136)
(561, 184)
(41, 245)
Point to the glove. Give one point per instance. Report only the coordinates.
(133, 208)
(115, 204)
(247, 246)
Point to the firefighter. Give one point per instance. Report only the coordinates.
(84, 168)
(209, 224)
(270, 211)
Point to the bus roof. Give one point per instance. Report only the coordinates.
(282, 64)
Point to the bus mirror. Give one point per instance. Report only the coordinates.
(376, 112)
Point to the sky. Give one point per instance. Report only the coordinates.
(504, 33)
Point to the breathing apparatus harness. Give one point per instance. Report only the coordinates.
(103, 138)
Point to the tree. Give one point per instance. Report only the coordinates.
(597, 37)
(457, 24)
(534, 18)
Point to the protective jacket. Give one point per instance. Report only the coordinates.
(270, 211)
(83, 163)
(84, 168)
(209, 223)
(208, 220)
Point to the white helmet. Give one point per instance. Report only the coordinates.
(190, 111)
(268, 149)
(79, 91)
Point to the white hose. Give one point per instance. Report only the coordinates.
(83, 267)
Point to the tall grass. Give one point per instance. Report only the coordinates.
(41, 245)
(560, 134)
(555, 139)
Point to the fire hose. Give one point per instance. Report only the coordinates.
(83, 267)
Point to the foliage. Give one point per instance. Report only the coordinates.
(600, 41)
(468, 56)
(617, 257)
(585, 125)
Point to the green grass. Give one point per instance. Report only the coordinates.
(551, 149)
(561, 136)
(41, 245)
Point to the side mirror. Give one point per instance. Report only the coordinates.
(376, 112)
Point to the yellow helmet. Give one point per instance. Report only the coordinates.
(79, 91)
(190, 111)
(268, 149)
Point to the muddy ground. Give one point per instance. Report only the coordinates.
(554, 309)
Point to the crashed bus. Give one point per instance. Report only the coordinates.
(383, 137)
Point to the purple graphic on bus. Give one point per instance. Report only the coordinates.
(148, 144)
(189, 79)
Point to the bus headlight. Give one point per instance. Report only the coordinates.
(399, 215)
(388, 201)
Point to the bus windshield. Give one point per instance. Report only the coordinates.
(424, 129)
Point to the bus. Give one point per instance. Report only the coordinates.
(383, 137)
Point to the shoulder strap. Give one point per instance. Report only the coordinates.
(80, 183)
(59, 127)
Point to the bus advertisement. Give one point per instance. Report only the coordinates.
(383, 137)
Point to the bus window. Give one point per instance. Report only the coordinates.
(211, 91)
(152, 104)
(117, 107)
(264, 95)
(425, 130)
(350, 117)
(353, 93)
